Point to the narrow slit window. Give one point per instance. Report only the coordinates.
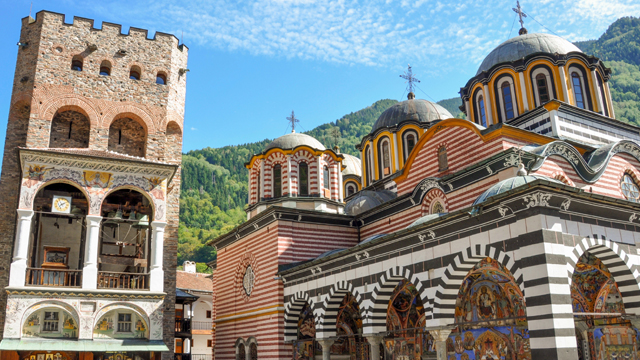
(70, 129)
(543, 88)
(483, 115)
(277, 181)
(304, 179)
(325, 176)
(577, 90)
(442, 159)
(508, 100)
(410, 143)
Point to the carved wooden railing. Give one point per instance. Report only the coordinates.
(122, 280)
(54, 277)
(183, 326)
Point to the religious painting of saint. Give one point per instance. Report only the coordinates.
(469, 341)
(35, 174)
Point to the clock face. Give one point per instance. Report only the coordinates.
(61, 204)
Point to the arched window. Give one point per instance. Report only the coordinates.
(629, 188)
(351, 189)
(241, 355)
(105, 68)
(76, 63)
(442, 159)
(507, 100)
(277, 181)
(69, 129)
(127, 136)
(161, 78)
(578, 89)
(303, 185)
(325, 177)
(542, 88)
(385, 158)
(134, 73)
(481, 109)
(253, 351)
(367, 165)
(410, 140)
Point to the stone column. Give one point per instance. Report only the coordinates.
(440, 337)
(326, 348)
(289, 178)
(91, 248)
(395, 152)
(374, 343)
(563, 82)
(18, 270)
(487, 104)
(596, 89)
(156, 273)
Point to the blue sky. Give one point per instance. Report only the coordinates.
(252, 62)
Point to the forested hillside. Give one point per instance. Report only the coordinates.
(214, 180)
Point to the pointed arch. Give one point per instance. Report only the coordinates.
(444, 301)
(327, 316)
(620, 265)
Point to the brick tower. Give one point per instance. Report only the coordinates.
(96, 118)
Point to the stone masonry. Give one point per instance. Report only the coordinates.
(46, 88)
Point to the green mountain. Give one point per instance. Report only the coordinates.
(619, 48)
(214, 180)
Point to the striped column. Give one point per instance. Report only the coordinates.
(548, 298)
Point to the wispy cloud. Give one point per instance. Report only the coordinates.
(372, 33)
(193, 129)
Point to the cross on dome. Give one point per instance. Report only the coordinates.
(521, 14)
(408, 75)
(292, 119)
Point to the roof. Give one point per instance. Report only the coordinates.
(353, 165)
(426, 218)
(510, 184)
(194, 281)
(293, 140)
(412, 109)
(521, 46)
(105, 154)
(367, 200)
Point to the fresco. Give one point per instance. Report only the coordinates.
(594, 290)
(491, 316)
(120, 325)
(349, 330)
(305, 347)
(405, 324)
(50, 323)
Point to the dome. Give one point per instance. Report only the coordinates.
(425, 219)
(521, 46)
(293, 140)
(367, 200)
(353, 165)
(510, 184)
(412, 109)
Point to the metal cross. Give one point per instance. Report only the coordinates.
(408, 75)
(292, 119)
(518, 10)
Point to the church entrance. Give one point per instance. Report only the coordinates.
(305, 347)
(350, 343)
(406, 338)
(490, 316)
(601, 331)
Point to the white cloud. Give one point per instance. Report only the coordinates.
(373, 33)
(193, 129)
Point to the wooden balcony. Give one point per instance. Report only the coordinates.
(183, 328)
(54, 277)
(122, 280)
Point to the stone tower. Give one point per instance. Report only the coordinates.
(99, 96)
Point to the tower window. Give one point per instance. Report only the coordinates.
(409, 144)
(303, 189)
(629, 188)
(325, 176)
(134, 73)
(577, 89)
(351, 189)
(483, 114)
(277, 181)
(442, 159)
(543, 88)
(76, 63)
(385, 158)
(507, 100)
(105, 68)
(161, 78)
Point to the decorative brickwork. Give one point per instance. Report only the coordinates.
(104, 111)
